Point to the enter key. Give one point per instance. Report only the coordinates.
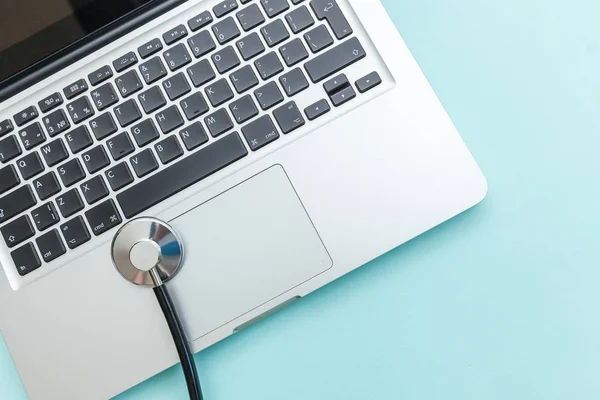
(330, 10)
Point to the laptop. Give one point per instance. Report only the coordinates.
(288, 142)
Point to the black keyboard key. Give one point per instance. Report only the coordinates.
(103, 126)
(243, 109)
(30, 165)
(127, 113)
(95, 159)
(94, 189)
(176, 86)
(275, 33)
(200, 21)
(80, 109)
(177, 57)
(201, 44)
(103, 217)
(181, 175)
(100, 75)
(293, 52)
(75, 232)
(51, 246)
(336, 84)
(318, 38)
(104, 96)
(32, 136)
(293, 82)
(250, 46)
(260, 132)
(8, 178)
(54, 152)
(268, 65)
(224, 8)
(79, 139)
(368, 82)
(25, 116)
(46, 185)
(334, 60)
(18, 231)
(75, 89)
(219, 92)
(119, 176)
(145, 132)
(143, 163)
(153, 70)
(169, 119)
(288, 117)
(243, 79)
(152, 99)
(71, 172)
(193, 136)
(218, 122)
(250, 17)
(69, 203)
(226, 30)
(9, 149)
(330, 11)
(175, 34)
(194, 106)
(201, 73)
(56, 123)
(274, 7)
(120, 146)
(16, 202)
(50, 102)
(128, 83)
(169, 149)
(225, 59)
(26, 259)
(299, 19)
(268, 95)
(150, 48)
(6, 127)
(45, 216)
(124, 62)
(343, 96)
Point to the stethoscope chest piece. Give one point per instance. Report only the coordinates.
(147, 252)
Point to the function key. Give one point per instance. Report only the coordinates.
(200, 21)
(100, 75)
(18, 231)
(50, 102)
(16, 202)
(6, 127)
(175, 34)
(225, 7)
(368, 82)
(51, 246)
(124, 62)
(75, 89)
(26, 259)
(8, 178)
(25, 116)
(152, 47)
(75, 232)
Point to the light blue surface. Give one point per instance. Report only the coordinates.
(502, 302)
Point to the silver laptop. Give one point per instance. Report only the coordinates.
(287, 141)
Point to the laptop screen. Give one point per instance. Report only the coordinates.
(31, 30)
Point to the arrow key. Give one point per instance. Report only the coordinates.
(343, 96)
(368, 82)
(75, 232)
(18, 231)
(316, 110)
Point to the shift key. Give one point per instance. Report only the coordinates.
(16, 202)
(335, 60)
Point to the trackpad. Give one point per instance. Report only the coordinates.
(242, 249)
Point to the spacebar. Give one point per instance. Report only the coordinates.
(181, 175)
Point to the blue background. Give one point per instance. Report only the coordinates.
(502, 302)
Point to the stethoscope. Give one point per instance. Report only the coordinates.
(148, 252)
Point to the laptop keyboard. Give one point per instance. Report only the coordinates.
(182, 100)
